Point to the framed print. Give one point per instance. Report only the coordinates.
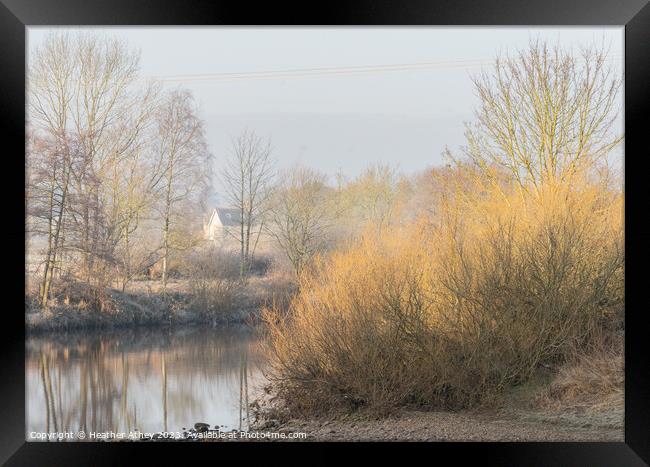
(374, 225)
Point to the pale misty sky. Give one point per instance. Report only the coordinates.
(338, 120)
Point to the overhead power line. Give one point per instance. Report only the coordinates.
(329, 71)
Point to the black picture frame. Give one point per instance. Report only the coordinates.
(16, 15)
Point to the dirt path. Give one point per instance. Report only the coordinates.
(465, 426)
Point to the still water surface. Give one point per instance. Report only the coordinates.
(147, 379)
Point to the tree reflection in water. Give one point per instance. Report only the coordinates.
(150, 380)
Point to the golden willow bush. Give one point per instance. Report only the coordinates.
(518, 263)
(448, 314)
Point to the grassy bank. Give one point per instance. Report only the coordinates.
(78, 306)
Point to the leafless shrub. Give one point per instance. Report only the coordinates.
(453, 314)
(213, 285)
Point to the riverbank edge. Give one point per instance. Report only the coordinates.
(413, 425)
(131, 311)
(463, 426)
(511, 420)
(531, 411)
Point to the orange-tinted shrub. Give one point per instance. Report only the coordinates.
(449, 313)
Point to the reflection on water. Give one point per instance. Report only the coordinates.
(149, 380)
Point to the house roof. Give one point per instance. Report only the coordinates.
(226, 216)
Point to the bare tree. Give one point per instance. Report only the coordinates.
(133, 197)
(184, 155)
(247, 178)
(79, 95)
(50, 92)
(301, 215)
(47, 200)
(109, 161)
(544, 114)
(372, 196)
(90, 154)
(107, 115)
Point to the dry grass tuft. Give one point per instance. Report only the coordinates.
(595, 381)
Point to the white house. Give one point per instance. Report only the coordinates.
(222, 225)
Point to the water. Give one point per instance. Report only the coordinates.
(151, 380)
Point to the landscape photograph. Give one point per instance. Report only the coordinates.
(327, 234)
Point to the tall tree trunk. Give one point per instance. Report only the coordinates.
(248, 241)
(86, 237)
(54, 236)
(242, 257)
(164, 260)
(127, 254)
(48, 256)
(166, 224)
